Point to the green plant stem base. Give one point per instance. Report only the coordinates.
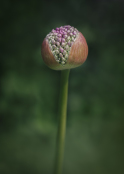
(62, 121)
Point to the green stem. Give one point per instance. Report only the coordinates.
(62, 121)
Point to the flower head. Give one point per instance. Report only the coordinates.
(64, 48)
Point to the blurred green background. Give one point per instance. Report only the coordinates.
(29, 89)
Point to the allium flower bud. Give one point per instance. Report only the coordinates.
(64, 48)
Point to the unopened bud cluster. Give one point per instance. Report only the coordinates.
(60, 41)
(64, 48)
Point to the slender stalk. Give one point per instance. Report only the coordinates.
(62, 121)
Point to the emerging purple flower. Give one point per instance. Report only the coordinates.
(64, 48)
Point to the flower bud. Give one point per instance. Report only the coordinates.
(64, 48)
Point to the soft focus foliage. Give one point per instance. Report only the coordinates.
(29, 90)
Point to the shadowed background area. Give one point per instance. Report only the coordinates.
(29, 90)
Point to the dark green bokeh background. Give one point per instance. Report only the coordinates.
(29, 90)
